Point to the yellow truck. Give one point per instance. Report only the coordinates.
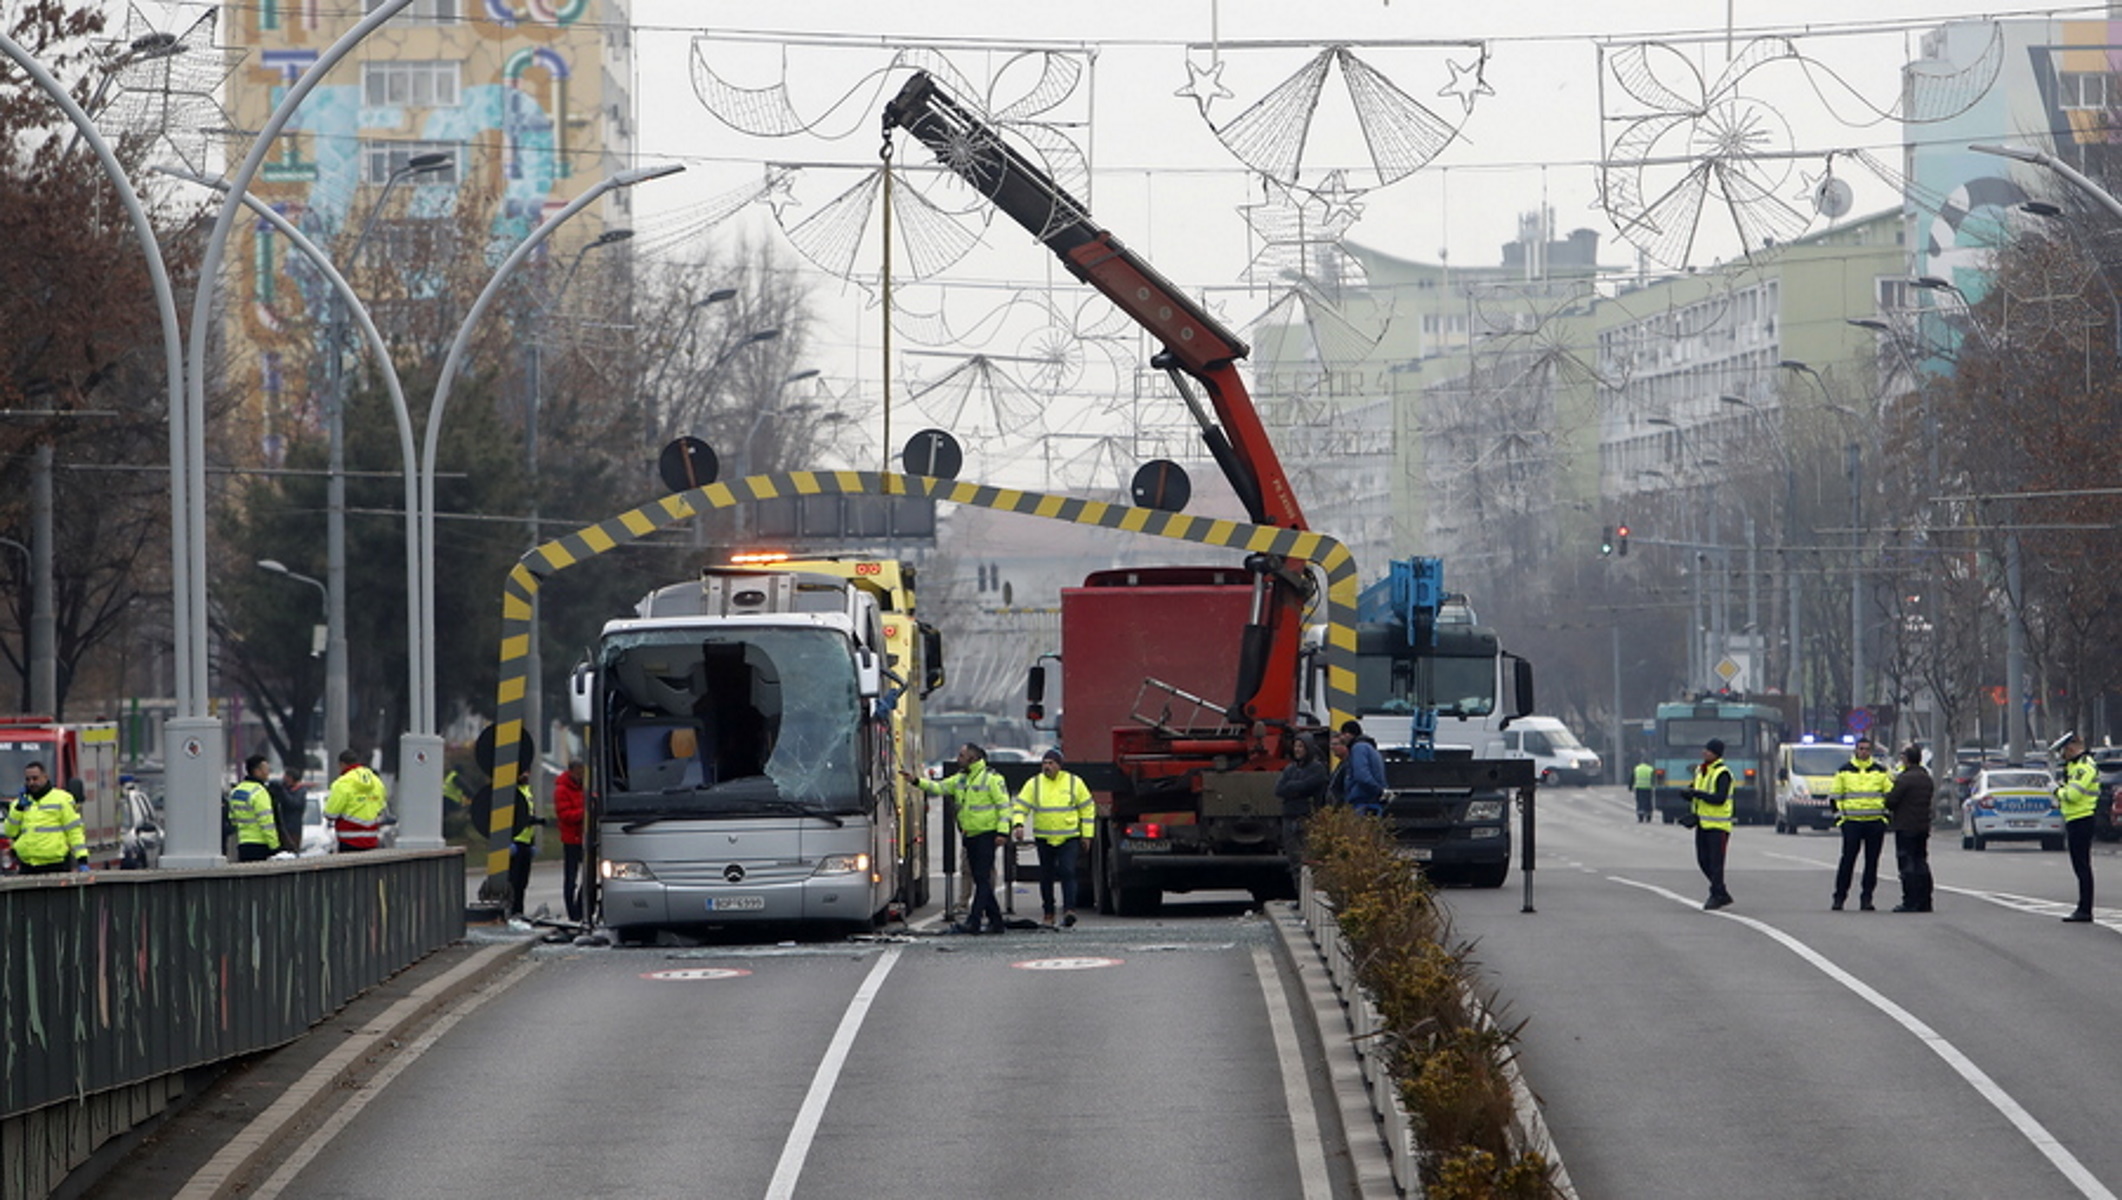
(914, 653)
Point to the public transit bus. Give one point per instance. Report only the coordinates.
(1750, 732)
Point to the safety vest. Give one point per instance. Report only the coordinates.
(1646, 776)
(2080, 789)
(526, 816)
(1860, 790)
(1055, 809)
(982, 798)
(355, 806)
(250, 810)
(453, 789)
(46, 830)
(1708, 813)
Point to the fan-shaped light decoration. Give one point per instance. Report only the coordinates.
(930, 237)
(1274, 132)
(979, 401)
(1686, 145)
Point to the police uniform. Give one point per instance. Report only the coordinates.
(1062, 817)
(45, 832)
(2077, 793)
(1859, 799)
(981, 800)
(250, 810)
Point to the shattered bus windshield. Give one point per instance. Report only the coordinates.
(731, 723)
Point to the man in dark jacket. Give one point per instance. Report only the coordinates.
(1908, 809)
(1302, 789)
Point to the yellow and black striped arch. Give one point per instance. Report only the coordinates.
(561, 553)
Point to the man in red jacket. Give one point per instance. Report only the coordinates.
(568, 807)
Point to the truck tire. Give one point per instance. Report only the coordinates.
(1139, 901)
(1488, 875)
(1102, 871)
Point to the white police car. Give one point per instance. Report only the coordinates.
(2011, 804)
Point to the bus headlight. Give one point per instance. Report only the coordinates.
(842, 864)
(1485, 810)
(626, 872)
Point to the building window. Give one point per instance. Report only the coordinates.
(427, 12)
(380, 160)
(409, 84)
(2081, 90)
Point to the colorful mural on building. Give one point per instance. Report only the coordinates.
(527, 99)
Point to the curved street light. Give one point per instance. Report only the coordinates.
(420, 760)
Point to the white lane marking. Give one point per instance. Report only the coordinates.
(1296, 1092)
(373, 1087)
(797, 1148)
(1801, 861)
(1065, 964)
(2087, 1184)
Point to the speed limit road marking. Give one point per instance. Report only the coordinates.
(1066, 964)
(689, 973)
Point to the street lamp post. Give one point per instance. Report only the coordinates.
(337, 719)
(534, 655)
(273, 566)
(420, 760)
(198, 756)
(380, 350)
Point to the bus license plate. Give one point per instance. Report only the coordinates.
(735, 903)
(1148, 847)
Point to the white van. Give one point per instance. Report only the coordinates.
(1557, 755)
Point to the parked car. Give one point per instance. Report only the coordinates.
(140, 845)
(2109, 761)
(2011, 804)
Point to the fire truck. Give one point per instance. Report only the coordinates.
(1181, 683)
(81, 758)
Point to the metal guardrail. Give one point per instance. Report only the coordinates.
(121, 977)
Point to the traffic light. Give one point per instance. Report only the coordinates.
(1606, 540)
(1621, 546)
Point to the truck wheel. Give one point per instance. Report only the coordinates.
(1489, 875)
(1139, 901)
(1102, 870)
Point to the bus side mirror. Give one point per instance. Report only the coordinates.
(1035, 694)
(581, 687)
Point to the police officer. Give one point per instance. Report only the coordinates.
(982, 803)
(45, 826)
(2077, 791)
(250, 810)
(1859, 798)
(1062, 817)
(355, 805)
(1646, 786)
(1709, 811)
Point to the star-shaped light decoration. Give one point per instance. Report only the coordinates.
(1467, 82)
(1204, 85)
(1339, 201)
(167, 87)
